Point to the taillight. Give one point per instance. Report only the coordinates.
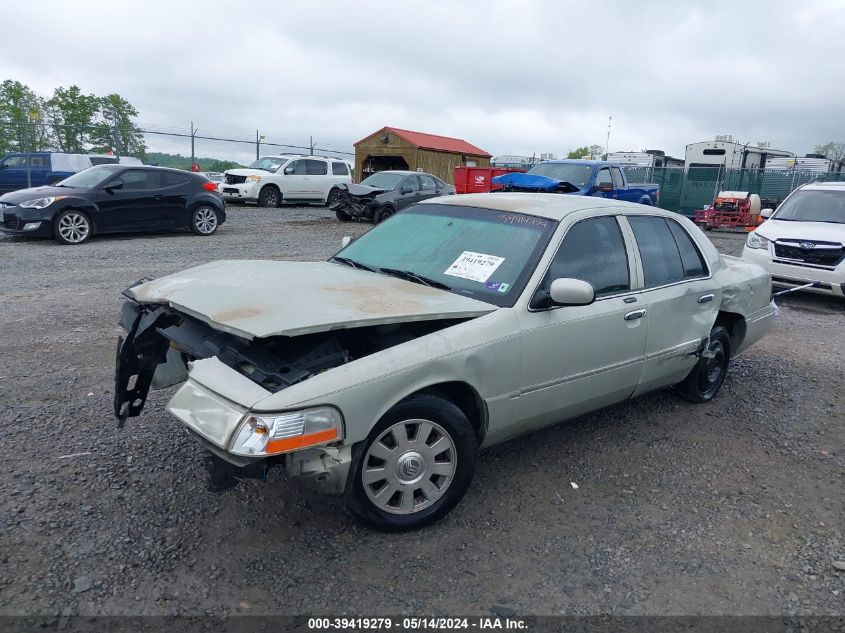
(209, 186)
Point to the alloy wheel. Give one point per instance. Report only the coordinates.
(74, 227)
(205, 219)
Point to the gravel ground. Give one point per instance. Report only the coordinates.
(735, 507)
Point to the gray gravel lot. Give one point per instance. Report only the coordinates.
(733, 507)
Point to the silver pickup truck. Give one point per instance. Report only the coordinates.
(456, 324)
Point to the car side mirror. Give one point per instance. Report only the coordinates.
(566, 291)
(605, 187)
(405, 190)
(766, 213)
(113, 185)
(346, 240)
(288, 171)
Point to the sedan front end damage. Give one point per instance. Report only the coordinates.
(357, 201)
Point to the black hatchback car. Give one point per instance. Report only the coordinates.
(114, 199)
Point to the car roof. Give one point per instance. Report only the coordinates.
(825, 186)
(116, 166)
(554, 206)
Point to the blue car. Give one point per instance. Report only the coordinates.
(45, 168)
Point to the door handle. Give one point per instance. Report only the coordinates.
(636, 314)
(158, 197)
(706, 298)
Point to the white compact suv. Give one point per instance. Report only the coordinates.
(272, 180)
(804, 240)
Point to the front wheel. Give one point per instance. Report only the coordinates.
(72, 227)
(343, 216)
(332, 198)
(204, 221)
(269, 197)
(383, 213)
(706, 378)
(414, 467)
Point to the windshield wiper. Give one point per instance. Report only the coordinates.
(412, 276)
(352, 263)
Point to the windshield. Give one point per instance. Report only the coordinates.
(88, 179)
(269, 163)
(383, 180)
(578, 175)
(813, 206)
(485, 254)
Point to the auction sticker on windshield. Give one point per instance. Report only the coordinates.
(474, 266)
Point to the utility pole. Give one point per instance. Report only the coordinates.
(311, 143)
(257, 145)
(26, 149)
(193, 153)
(607, 143)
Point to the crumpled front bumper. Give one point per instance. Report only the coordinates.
(214, 420)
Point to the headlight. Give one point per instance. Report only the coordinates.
(755, 240)
(253, 178)
(40, 203)
(273, 433)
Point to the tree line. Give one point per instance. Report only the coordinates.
(68, 121)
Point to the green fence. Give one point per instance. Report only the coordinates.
(684, 192)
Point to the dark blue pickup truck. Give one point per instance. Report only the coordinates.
(580, 178)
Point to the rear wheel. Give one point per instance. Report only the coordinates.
(72, 227)
(706, 378)
(204, 221)
(414, 467)
(269, 196)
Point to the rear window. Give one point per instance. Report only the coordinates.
(340, 169)
(316, 168)
(171, 180)
(691, 258)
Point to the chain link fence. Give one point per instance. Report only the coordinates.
(685, 191)
(35, 154)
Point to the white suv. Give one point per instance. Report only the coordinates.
(272, 180)
(804, 240)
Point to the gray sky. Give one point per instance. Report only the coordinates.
(511, 77)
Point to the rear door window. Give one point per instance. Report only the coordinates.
(658, 251)
(691, 257)
(316, 168)
(593, 251)
(427, 182)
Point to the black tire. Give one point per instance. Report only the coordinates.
(205, 220)
(269, 196)
(461, 454)
(383, 212)
(706, 378)
(72, 227)
(332, 197)
(342, 215)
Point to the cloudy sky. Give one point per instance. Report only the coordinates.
(509, 76)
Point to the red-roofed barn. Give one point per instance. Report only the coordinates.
(392, 148)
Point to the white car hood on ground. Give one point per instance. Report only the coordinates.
(256, 298)
(816, 231)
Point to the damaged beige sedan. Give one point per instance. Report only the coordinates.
(456, 324)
